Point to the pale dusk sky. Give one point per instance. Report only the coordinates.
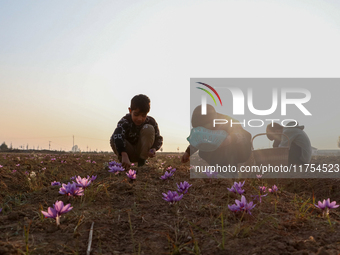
(71, 67)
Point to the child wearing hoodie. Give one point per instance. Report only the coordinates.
(300, 150)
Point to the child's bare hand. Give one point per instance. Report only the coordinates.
(185, 158)
(152, 153)
(125, 161)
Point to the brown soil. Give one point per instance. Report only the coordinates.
(132, 218)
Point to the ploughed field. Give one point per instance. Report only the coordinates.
(131, 216)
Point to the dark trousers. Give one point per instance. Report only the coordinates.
(295, 152)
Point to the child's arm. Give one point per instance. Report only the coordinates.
(119, 140)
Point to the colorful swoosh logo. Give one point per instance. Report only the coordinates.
(212, 89)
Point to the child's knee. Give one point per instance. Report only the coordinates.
(147, 130)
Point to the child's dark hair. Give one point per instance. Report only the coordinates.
(141, 102)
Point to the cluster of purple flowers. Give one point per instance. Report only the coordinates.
(326, 204)
(115, 167)
(168, 174)
(262, 191)
(237, 188)
(183, 187)
(242, 205)
(71, 189)
(173, 197)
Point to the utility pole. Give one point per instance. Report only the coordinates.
(49, 145)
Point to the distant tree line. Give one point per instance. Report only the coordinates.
(3, 147)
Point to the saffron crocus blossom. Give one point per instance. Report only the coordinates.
(171, 169)
(242, 205)
(92, 178)
(55, 183)
(183, 187)
(172, 197)
(131, 174)
(166, 175)
(83, 182)
(274, 189)
(1, 166)
(114, 163)
(331, 205)
(321, 205)
(237, 188)
(258, 176)
(57, 210)
(259, 197)
(71, 189)
(116, 168)
(326, 204)
(234, 208)
(262, 189)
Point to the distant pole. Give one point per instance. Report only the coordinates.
(49, 145)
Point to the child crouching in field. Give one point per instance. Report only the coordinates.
(300, 148)
(137, 135)
(235, 148)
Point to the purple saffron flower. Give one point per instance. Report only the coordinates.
(1, 166)
(131, 174)
(248, 207)
(331, 205)
(234, 208)
(55, 183)
(116, 168)
(262, 189)
(321, 205)
(114, 163)
(259, 197)
(242, 205)
(259, 176)
(237, 188)
(273, 189)
(92, 178)
(172, 197)
(94, 162)
(166, 175)
(14, 171)
(71, 189)
(183, 187)
(171, 169)
(57, 210)
(73, 177)
(83, 182)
